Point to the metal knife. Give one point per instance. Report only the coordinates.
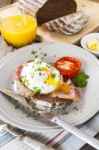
(56, 119)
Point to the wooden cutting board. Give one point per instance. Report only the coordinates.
(90, 7)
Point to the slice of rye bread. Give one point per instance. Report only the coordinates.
(54, 9)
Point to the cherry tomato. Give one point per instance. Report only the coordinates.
(68, 66)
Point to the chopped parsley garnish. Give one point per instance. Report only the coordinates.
(39, 62)
(45, 54)
(47, 65)
(80, 80)
(36, 56)
(75, 108)
(17, 105)
(64, 108)
(26, 82)
(65, 112)
(23, 78)
(40, 73)
(36, 53)
(53, 75)
(38, 69)
(33, 52)
(37, 90)
(45, 82)
(33, 113)
(12, 82)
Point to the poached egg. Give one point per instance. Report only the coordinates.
(40, 77)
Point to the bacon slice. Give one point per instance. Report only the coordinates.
(73, 95)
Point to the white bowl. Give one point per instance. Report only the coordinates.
(88, 37)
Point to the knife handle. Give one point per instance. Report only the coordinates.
(75, 131)
(35, 144)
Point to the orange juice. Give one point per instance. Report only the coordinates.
(19, 30)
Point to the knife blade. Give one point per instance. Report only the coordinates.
(53, 117)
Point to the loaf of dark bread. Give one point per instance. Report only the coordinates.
(53, 9)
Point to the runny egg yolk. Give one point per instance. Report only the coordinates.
(65, 87)
(59, 85)
(52, 81)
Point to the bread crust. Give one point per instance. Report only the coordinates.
(53, 9)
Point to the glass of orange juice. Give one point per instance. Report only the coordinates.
(19, 30)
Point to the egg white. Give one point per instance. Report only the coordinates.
(34, 78)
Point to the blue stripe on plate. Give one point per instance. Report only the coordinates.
(6, 138)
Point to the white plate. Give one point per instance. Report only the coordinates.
(88, 105)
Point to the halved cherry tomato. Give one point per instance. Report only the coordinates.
(68, 66)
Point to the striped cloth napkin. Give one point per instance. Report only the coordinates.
(59, 140)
